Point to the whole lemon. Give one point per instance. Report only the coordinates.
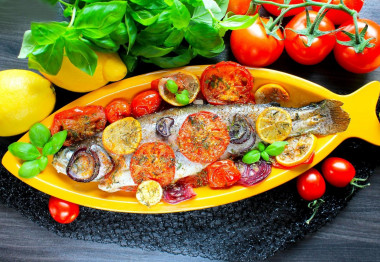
(25, 98)
(109, 68)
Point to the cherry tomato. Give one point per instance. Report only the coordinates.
(146, 103)
(62, 211)
(338, 171)
(117, 109)
(253, 47)
(227, 82)
(366, 61)
(274, 10)
(222, 174)
(154, 84)
(338, 17)
(240, 7)
(80, 122)
(311, 185)
(295, 43)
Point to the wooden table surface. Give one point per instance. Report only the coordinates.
(353, 236)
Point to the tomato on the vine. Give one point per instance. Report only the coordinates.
(253, 47)
(145, 103)
(222, 173)
(295, 44)
(240, 7)
(338, 17)
(274, 10)
(311, 185)
(63, 211)
(338, 171)
(363, 62)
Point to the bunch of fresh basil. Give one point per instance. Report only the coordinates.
(168, 33)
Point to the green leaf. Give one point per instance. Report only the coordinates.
(106, 43)
(100, 19)
(180, 15)
(172, 86)
(203, 36)
(42, 163)
(260, 146)
(81, 56)
(28, 44)
(174, 61)
(29, 169)
(251, 157)
(149, 51)
(132, 31)
(202, 14)
(175, 38)
(144, 17)
(120, 35)
(45, 33)
(50, 56)
(39, 135)
(264, 155)
(276, 148)
(68, 11)
(238, 22)
(55, 143)
(130, 61)
(212, 6)
(24, 151)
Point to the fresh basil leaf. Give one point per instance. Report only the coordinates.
(81, 56)
(212, 6)
(39, 135)
(260, 146)
(182, 98)
(276, 148)
(94, 47)
(175, 38)
(68, 12)
(100, 19)
(24, 151)
(238, 22)
(170, 62)
(29, 169)
(203, 36)
(28, 44)
(132, 31)
(158, 32)
(149, 51)
(212, 52)
(45, 33)
(33, 64)
(42, 162)
(120, 34)
(50, 56)
(144, 17)
(172, 86)
(201, 13)
(264, 155)
(130, 61)
(106, 43)
(55, 143)
(179, 15)
(251, 157)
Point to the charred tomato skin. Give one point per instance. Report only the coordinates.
(118, 109)
(311, 185)
(145, 103)
(63, 211)
(338, 171)
(222, 174)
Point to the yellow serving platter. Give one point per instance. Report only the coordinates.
(361, 106)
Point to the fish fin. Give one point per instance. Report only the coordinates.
(340, 118)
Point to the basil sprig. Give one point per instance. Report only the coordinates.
(168, 33)
(183, 97)
(35, 162)
(263, 152)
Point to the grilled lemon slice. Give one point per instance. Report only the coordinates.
(149, 193)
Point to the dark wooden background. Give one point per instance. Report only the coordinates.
(353, 236)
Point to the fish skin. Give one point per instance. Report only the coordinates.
(322, 118)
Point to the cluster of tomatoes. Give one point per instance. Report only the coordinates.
(254, 47)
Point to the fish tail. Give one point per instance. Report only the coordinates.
(340, 118)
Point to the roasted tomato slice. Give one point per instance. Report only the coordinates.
(153, 161)
(118, 109)
(226, 83)
(80, 122)
(203, 137)
(222, 174)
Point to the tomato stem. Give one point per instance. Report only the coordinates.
(314, 205)
(355, 184)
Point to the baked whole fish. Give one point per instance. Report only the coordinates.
(202, 134)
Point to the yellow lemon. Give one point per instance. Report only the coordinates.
(110, 68)
(25, 98)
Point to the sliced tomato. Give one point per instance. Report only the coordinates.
(153, 161)
(80, 122)
(198, 180)
(118, 109)
(222, 174)
(227, 82)
(203, 137)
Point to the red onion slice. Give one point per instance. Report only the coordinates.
(83, 165)
(178, 192)
(254, 173)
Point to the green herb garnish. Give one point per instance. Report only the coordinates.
(263, 152)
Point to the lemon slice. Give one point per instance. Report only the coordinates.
(123, 136)
(149, 193)
(271, 93)
(298, 150)
(185, 81)
(273, 124)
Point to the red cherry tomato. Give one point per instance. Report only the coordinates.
(338, 171)
(62, 211)
(154, 84)
(366, 61)
(253, 47)
(117, 109)
(274, 10)
(311, 185)
(295, 43)
(240, 7)
(338, 17)
(145, 103)
(222, 174)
